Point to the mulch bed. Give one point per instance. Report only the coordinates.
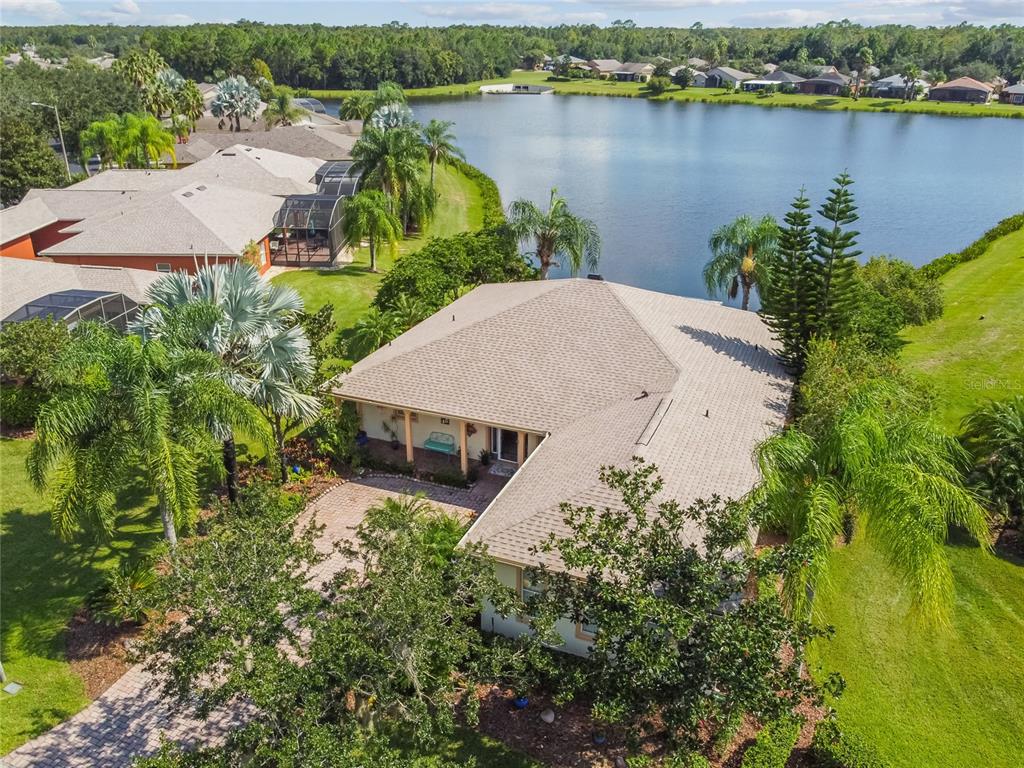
(17, 433)
(96, 652)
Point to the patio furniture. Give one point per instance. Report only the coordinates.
(440, 442)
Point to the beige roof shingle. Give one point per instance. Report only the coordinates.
(25, 218)
(26, 280)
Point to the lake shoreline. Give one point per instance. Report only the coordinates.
(588, 87)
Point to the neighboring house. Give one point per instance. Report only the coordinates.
(635, 72)
(827, 84)
(324, 142)
(167, 220)
(697, 78)
(961, 89)
(781, 76)
(775, 79)
(70, 293)
(726, 77)
(1013, 94)
(696, 63)
(558, 378)
(604, 68)
(895, 87)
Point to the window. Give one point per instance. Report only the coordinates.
(586, 630)
(163, 266)
(528, 591)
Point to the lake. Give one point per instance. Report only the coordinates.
(658, 177)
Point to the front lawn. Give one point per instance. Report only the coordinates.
(44, 582)
(352, 288)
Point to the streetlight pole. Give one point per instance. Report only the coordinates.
(60, 132)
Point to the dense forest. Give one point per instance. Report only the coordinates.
(315, 56)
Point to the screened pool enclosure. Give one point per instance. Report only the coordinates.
(75, 306)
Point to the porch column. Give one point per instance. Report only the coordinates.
(463, 448)
(521, 448)
(408, 436)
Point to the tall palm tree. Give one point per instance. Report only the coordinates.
(371, 332)
(235, 99)
(864, 59)
(368, 216)
(124, 405)
(896, 471)
(101, 139)
(153, 141)
(140, 67)
(190, 102)
(265, 353)
(281, 110)
(389, 160)
(440, 143)
(388, 92)
(910, 74)
(556, 233)
(358, 106)
(741, 254)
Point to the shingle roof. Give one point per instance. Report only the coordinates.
(327, 143)
(634, 67)
(965, 82)
(781, 76)
(25, 280)
(1018, 88)
(72, 204)
(735, 74)
(607, 65)
(609, 371)
(194, 219)
(20, 220)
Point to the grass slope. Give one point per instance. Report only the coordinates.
(44, 582)
(711, 95)
(967, 359)
(926, 696)
(352, 288)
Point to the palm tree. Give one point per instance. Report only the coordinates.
(892, 468)
(408, 312)
(235, 99)
(389, 160)
(556, 233)
(101, 139)
(282, 110)
(190, 102)
(368, 216)
(125, 405)
(153, 141)
(358, 106)
(265, 353)
(741, 252)
(864, 59)
(440, 143)
(371, 332)
(140, 67)
(388, 92)
(994, 436)
(910, 74)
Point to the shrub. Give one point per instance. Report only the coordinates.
(28, 350)
(658, 85)
(686, 759)
(20, 404)
(918, 295)
(125, 595)
(943, 264)
(494, 213)
(335, 433)
(833, 748)
(774, 744)
(452, 477)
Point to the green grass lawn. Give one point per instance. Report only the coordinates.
(927, 696)
(352, 288)
(591, 87)
(967, 359)
(44, 582)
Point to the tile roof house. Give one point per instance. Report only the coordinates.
(961, 89)
(726, 77)
(556, 378)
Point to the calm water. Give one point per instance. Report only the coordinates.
(658, 177)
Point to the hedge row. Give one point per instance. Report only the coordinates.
(943, 264)
(774, 744)
(833, 748)
(494, 214)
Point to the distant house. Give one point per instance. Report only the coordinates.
(895, 87)
(775, 79)
(827, 84)
(697, 78)
(1012, 94)
(323, 142)
(726, 77)
(782, 76)
(962, 89)
(696, 63)
(574, 62)
(634, 72)
(604, 68)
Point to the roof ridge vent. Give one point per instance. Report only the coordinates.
(654, 422)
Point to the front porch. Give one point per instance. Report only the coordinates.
(489, 479)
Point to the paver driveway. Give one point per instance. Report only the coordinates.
(130, 718)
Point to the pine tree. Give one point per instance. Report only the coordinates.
(789, 299)
(836, 260)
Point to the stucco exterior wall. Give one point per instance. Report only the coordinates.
(178, 263)
(51, 234)
(512, 626)
(18, 248)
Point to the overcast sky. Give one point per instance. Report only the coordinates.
(676, 13)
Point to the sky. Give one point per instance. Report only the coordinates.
(673, 13)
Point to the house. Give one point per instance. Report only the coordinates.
(71, 293)
(574, 62)
(1013, 94)
(558, 378)
(826, 84)
(323, 142)
(726, 77)
(603, 68)
(894, 87)
(166, 220)
(697, 63)
(962, 89)
(775, 79)
(634, 72)
(697, 78)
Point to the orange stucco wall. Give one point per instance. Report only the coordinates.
(51, 235)
(178, 263)
(19, 248)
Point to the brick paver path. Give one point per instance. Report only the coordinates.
(130, 718)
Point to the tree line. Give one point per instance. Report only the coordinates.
(317, 56)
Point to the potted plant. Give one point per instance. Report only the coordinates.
(485, 457)
(395, 445)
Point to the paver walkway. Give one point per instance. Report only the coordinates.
(130, 718)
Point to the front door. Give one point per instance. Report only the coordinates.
(505, 444)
